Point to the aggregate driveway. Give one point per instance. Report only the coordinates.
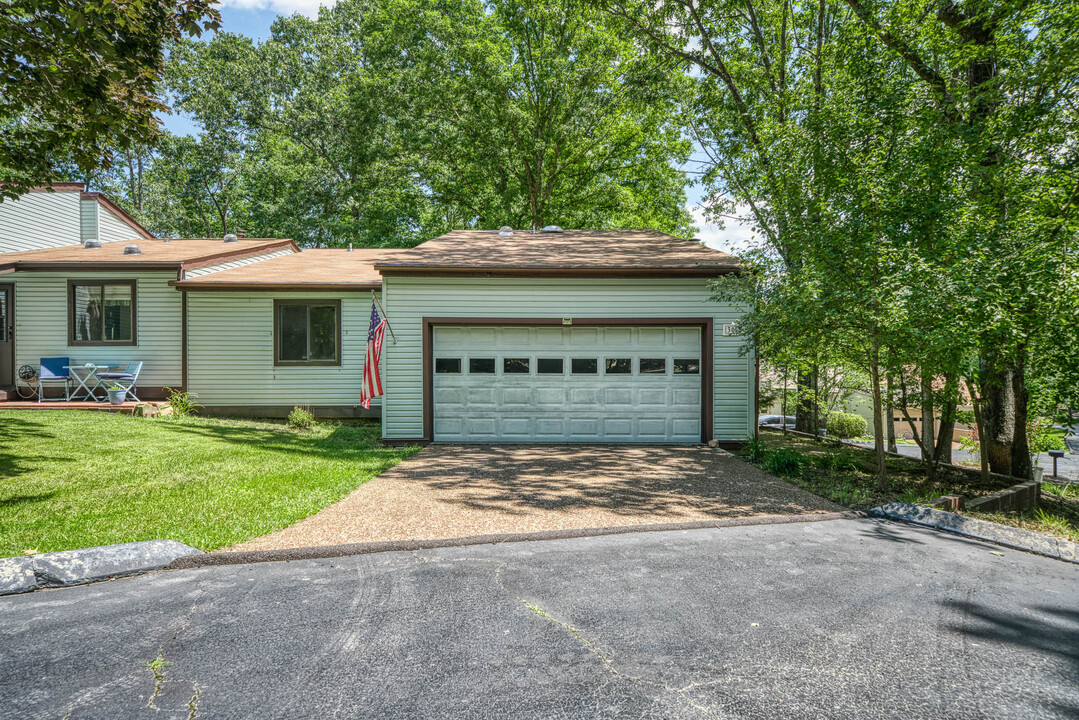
(836, 619)
(448, 491)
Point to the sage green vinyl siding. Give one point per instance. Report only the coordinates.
(88, 220)
(409, 299)
(230, 351)
(39, 220)
(41, 324)
(111, 228)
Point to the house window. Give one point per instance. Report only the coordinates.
(307, 332)
(550, 366)
(515, 366)
(481, 366)
(101, 312)
(618, 366)
(687, 366)
(652, 365)
(583, 366)
(448, 366)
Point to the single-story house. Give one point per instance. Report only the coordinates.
(497, 336)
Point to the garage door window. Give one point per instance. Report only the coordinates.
(687, 366)
(618, 366)
(515, 366)
(584, 366)
(652, 366)
(481, 366)
(448, 366)
(550, 366)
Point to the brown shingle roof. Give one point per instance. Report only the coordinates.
(588, 252)
(157, 254)
(307, 270)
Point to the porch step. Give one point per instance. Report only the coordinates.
(7, 393)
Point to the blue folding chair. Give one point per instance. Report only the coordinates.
(125, 379)
(53, 370)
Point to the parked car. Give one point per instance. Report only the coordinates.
(777, 422)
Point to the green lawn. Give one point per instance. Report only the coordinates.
(77, 479)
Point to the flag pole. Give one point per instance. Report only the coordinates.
(384, 316)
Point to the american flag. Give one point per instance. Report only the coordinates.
(372, 382)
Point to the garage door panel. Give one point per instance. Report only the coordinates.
(516, 396)
(551, 397)
(550, 428)
(652, 396)
(482, 428)
(687, 396)
(573, 407)
(618, 396)
(617, 427)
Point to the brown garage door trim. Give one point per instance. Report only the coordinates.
(707, 343)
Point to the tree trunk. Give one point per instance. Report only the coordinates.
(805, 415)
(878, 429)
(1021, 465)
(928, 422)
(999, 416)
(947, 418)
(889, 422)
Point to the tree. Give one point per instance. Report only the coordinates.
(535, 113)
(81, 81)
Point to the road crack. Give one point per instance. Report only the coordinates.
(680, 693)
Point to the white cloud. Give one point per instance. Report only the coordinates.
(734, 238)
(284, 7)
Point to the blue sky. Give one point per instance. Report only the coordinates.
(254, 18)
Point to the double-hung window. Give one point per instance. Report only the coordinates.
(307, 332)
(101, 312)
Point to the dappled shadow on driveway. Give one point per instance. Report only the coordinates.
(447, 491)
(659, 482)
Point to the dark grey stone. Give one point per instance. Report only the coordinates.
(75, 567)
(859, 618)
(17, 575)
(1016, 538)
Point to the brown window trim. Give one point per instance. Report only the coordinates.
(706, 324)
(72, 342)
(277, 303)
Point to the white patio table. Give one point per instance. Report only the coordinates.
(85, 377)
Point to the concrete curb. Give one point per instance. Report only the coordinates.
(1009, 537)
(243, 557)
(77, 567)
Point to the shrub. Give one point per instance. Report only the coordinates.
(754, 449)
(301, 418)
(846, 425)
(785, 462)
(182, 403)
(839, 461)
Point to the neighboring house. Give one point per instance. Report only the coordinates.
(64, 215)
(575, 336)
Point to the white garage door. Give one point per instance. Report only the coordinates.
(567, 384)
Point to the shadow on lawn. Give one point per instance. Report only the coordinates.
(14, 429)
(343, 442)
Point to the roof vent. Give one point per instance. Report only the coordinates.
(505, 231)
(91, 244)
(132, 250)
(551, 228)
(230, 238)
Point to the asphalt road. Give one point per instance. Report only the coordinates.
(845, 618)
(1067, 466)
